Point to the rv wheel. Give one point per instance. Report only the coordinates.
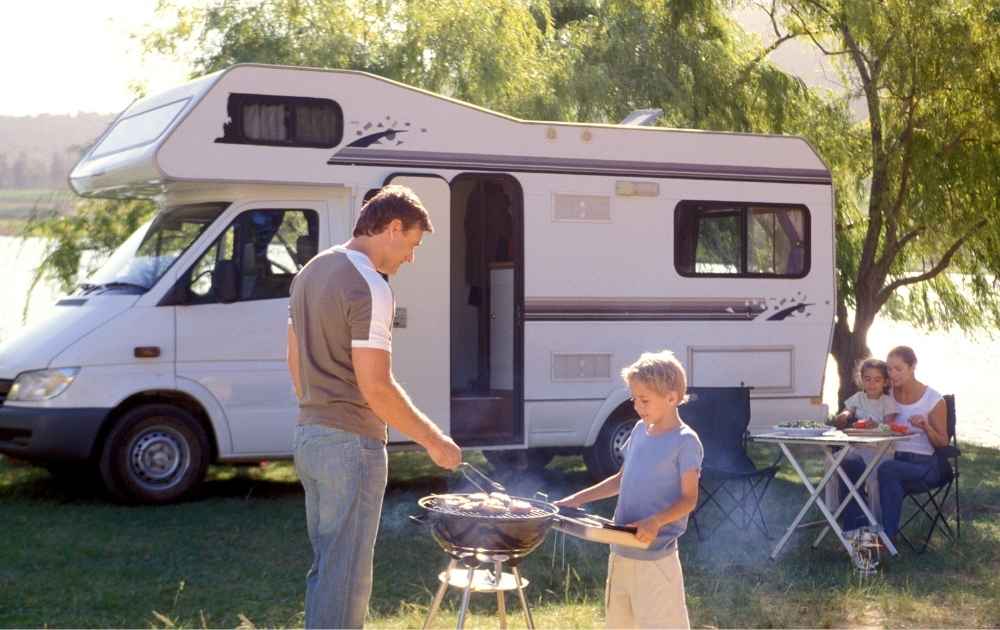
(605, 457)
(154, 454)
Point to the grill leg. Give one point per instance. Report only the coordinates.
(501, 605)
(524, 600)
(436, 603)
(465, 598)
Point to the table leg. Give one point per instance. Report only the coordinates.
(852, 489)
(501, 605)
(813, 494)
(436, 603)
(465, 598)
(524, 600)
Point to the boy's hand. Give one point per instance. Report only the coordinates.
(568, 502)
(647, 528)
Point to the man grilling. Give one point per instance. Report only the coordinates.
(339, 355)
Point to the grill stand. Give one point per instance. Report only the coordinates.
(473, 579)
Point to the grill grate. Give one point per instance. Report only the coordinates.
(537, 511)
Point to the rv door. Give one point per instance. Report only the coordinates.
(421, 336)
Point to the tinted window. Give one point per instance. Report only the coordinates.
(266, 248)
(741, 239)
(282, 121)
(139, 129)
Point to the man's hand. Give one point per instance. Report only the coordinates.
(445, 452)
(647, 528)
(919, 421)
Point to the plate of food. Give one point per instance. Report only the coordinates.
(801, 428)
(877, 430)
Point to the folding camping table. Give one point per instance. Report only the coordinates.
(836, 446)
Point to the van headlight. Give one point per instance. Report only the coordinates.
(40, 385)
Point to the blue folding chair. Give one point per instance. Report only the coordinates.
(930, 500)
(730, 481)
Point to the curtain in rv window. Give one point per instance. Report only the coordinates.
(293, 121)
(722, 239)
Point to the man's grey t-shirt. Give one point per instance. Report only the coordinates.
(339, 301)
(651, 483)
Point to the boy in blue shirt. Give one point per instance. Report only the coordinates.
(657, 489)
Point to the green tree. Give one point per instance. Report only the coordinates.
(928, 72)
(491, 52)
(80, 241)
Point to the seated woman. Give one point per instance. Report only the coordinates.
(922, 410)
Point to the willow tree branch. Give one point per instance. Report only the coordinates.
(886, 292)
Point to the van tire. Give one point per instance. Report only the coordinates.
(605, 458)
(154, 454)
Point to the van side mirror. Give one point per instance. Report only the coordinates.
(225, 281)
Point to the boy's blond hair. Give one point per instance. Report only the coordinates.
(660, 371)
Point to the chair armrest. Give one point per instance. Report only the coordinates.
(948, 451)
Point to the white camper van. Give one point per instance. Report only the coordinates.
(560, 253)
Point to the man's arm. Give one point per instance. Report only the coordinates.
(292, 358)
(650, 527)
(373, 368)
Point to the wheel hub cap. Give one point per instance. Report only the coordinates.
(158, 457)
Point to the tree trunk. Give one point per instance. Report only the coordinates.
(849, 349)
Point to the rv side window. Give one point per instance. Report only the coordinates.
(264, 248)
(721, 239)
(288, 121)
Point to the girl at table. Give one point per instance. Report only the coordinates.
(873, 401)
(922, 410)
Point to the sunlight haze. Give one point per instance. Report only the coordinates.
(65, 57)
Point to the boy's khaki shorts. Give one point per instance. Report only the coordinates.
(645, 593)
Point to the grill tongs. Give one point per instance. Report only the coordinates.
(496, 487)
(593, 520)
(582, 517)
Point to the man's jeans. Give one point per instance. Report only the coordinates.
(344, 476)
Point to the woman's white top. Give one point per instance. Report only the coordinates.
(917, 443)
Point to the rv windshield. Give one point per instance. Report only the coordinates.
(146, 255)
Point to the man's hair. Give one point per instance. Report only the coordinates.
(905, 354)
(390, 203)
(660, 371)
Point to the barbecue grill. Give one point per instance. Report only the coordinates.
(480, 543)
(462, 533)
(475, 539)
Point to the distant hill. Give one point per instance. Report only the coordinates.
(39, 151)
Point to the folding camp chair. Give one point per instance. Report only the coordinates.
(729, 479)
(930, 500)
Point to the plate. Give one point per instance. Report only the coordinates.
(801, 431)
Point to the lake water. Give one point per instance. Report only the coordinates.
(951, 362)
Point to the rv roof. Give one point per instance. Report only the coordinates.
(279, 124)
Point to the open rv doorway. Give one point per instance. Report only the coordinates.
(487, 292)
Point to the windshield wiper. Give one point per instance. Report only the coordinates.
(90, 288)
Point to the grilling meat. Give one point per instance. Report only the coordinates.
(493, 504)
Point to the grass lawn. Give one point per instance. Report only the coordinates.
(237, 555)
